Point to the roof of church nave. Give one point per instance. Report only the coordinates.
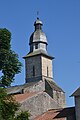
(18, 89)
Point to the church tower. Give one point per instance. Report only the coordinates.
(40, 92)
(37, 62)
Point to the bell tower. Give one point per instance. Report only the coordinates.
(38, 63)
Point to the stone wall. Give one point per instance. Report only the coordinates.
(30, 62)
(46, 67)
(59, 97)
(38, 87)
(77, 107)
(48, 89)
(42, 67)
(38, 104)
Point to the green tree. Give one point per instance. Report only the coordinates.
(8, 106)
(5, 39)
(24, 115)
(10, 66)
(9, 63)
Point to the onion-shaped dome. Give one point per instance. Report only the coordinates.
(38, 35)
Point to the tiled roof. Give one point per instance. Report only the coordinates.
(58, 114)
(49, 115)
(21, 97)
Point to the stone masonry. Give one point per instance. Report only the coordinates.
(42, 66)
(40, 93)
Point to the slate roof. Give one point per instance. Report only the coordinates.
(38, 21)
(57, 114)
(38, 52)
(19, 88)
(54, 86)
(77, 92)
(66, 112)
(38, 36)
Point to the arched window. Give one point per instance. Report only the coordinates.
(47, 72)
(33, 70)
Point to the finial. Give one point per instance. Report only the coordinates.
(38, 15)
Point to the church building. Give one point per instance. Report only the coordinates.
(40, 94)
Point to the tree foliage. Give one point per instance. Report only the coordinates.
(8, 106)
(10, 66)
(5, 39)
(9, 63)
(24, 115)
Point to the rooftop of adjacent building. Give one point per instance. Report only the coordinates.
(57, 114)
(77, 92)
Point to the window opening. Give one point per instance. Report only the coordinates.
(36, 46)
(33, 70)
(31, 48)
(47, 72)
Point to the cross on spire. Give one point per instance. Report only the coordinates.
(37, 14)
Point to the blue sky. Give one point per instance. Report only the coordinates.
(61, 23)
